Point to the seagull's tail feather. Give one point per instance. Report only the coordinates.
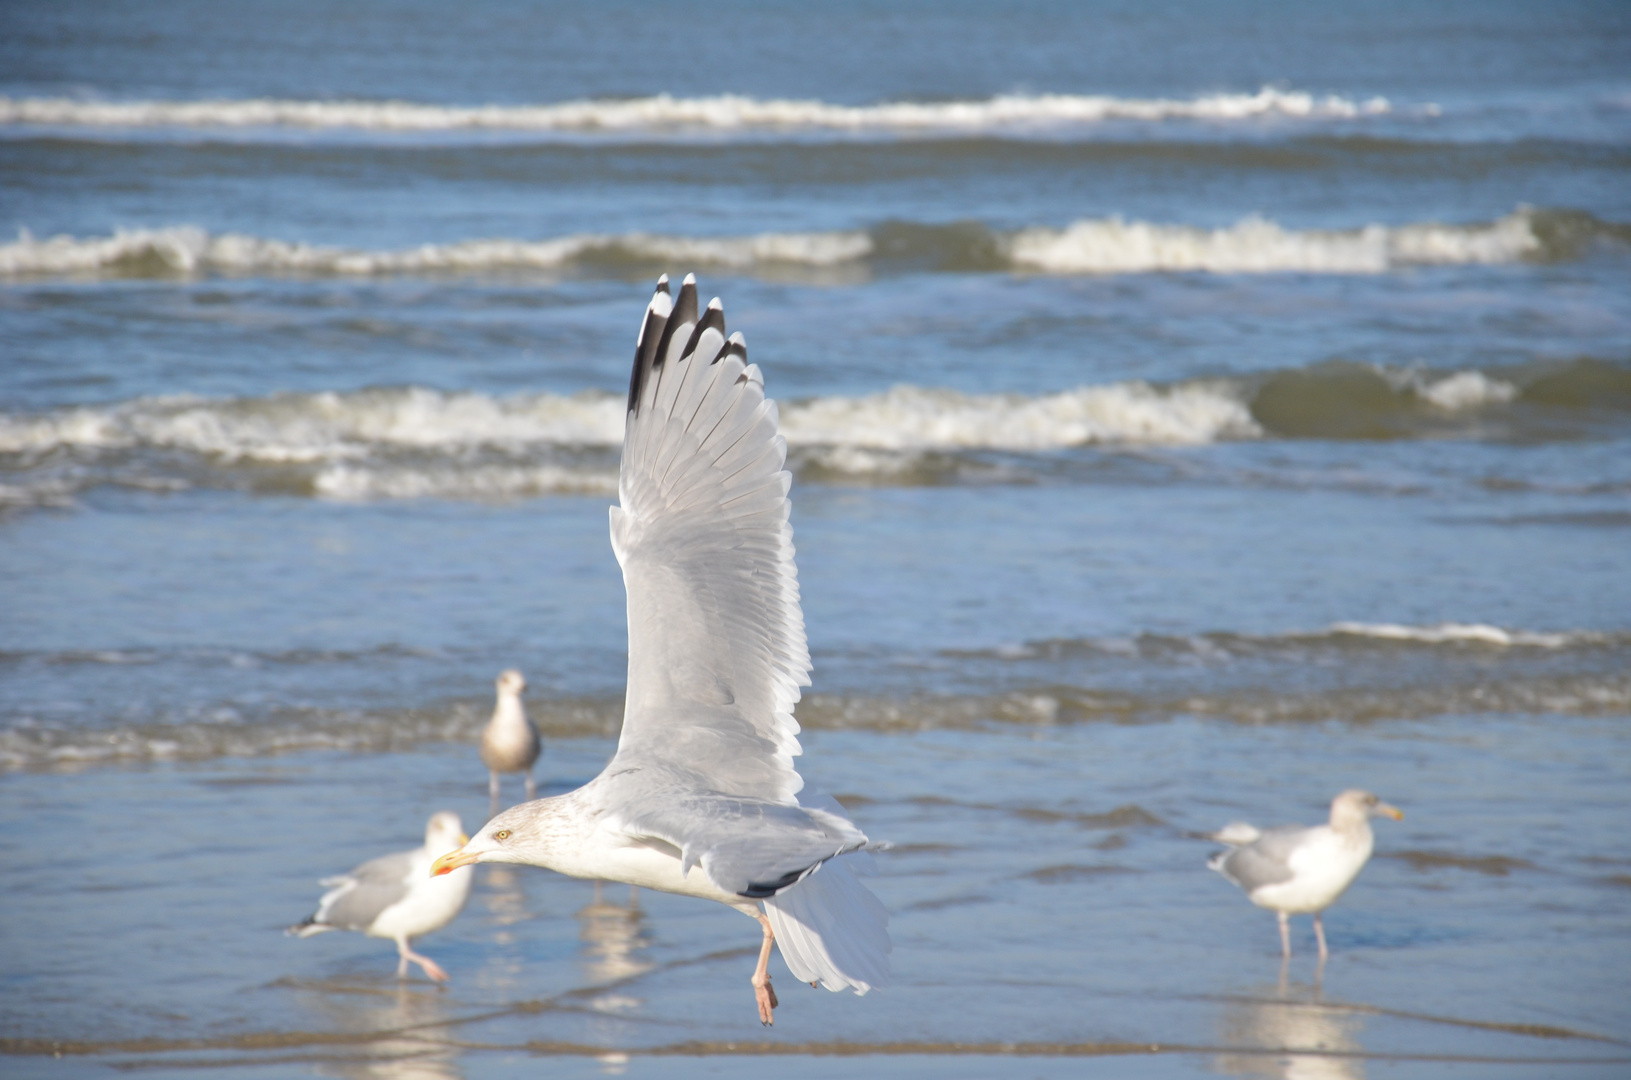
(832, 930)
(307, 928)
(1238, 834)
(1220, 863)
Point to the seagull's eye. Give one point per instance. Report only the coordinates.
(502, 834)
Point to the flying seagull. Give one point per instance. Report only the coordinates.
(509, 743)
(395, 896)
(701, 798)
(1296, 871)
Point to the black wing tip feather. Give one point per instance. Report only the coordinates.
(655, 340)
(645, 350)
(713, 318)
(685, 311)
(643, 354)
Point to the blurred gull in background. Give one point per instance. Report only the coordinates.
(510, 742)
(395, 896)
(1296, 871)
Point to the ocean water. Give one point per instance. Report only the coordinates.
(1194, 410)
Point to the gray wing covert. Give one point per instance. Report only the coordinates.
(751, 847)
(717, 651)
(1265, 861)
(358, 897)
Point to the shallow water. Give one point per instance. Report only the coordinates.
(1192, 413)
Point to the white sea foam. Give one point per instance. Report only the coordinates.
(323, 427)
(1467, 390)
(190, 250)
(1092, 246)
(1257, 245)
(355, 482)
(664, 114)
(1458, 392)
(352, 428)
(914, 418)
(1467, 633)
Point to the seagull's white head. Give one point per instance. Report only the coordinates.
(521, 834)
(1355, 805)
(511, 682)
(444, 832)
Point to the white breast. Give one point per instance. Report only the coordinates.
(1322, 869)
(431, 903)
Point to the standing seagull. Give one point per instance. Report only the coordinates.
(1296, 871)
(701, 797)
(509, 743)
(395, 896)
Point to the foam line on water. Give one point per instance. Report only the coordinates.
(1256, 245)
(666, 114)
(1342, 636)
(186, 249)
(221, 730)
(1467, 634)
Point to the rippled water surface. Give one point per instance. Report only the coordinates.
(1192, 412)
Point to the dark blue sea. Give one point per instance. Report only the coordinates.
(1195, 409)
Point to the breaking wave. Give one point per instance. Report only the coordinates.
(415, 442)
(185, 250)
(1258, 246)
(1090, 246)
(1339, 636)
(35, 745)
(667, 116)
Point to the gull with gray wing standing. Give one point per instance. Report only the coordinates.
(1293, 870)
(395, 897)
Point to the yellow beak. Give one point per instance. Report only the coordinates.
(452, 861)
(1391, 811)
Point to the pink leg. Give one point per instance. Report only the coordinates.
(432, 968)
(532, 787)
(1319, 932)
(762, 990)
(1285, 934)
(492, 793)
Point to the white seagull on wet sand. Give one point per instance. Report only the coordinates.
(395, 896)
(509, 742)
(1296, 871)
(701, 798)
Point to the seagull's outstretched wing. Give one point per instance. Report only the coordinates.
(717, 651)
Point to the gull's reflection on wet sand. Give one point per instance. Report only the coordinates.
(612, 936)
(1298, 1035)
(414, 1010)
